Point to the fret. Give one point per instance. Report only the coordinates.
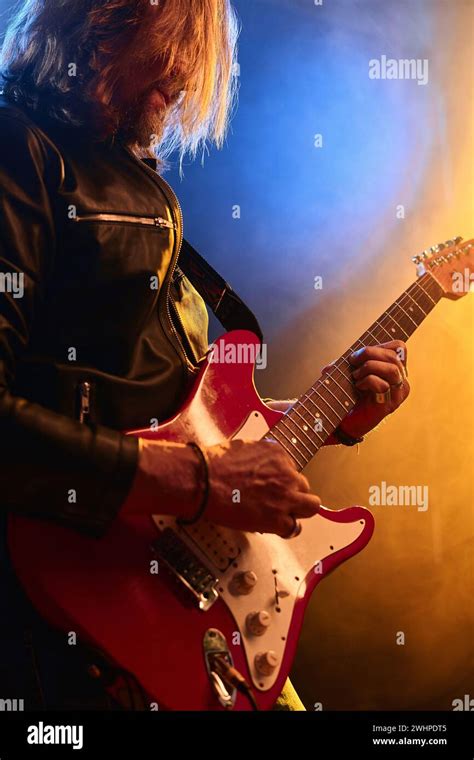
(388, 316)
(410, 296)
(315, 441)
(282, 443)
(305, 427)
(324, 423)
(392, 331)
(327, 382)
(383, 328)
(397, 303)
(425, 313)
(343, 359)
(408, 324)
(407, 335)
(297, 431)
(327, 403)
(294, 439)
(403, 305)
(308, 396)
(376, 340)
(427, 287)
(340, 386)
(300, 403)
(421, 286)
(407, 315)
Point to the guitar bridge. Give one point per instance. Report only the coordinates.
(192, 573)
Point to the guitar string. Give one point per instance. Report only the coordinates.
(417, 289)
(293, 449)
(379, 324)
(423, 287)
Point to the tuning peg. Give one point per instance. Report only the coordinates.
(440, 246)
(420, 257)
(454, 241)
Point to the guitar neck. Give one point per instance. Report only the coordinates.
(319, 411)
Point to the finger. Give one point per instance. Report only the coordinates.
(283, 527)
(392, 373)
(400, 349)
(303, 505)
(285, 458)
(275, 521)
(373, 384)
(302, 484)
(372, 352)
(399, 394)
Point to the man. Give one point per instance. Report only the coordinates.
(103, 332)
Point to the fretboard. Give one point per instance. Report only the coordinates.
(320, 410)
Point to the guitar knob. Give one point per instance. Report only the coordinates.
(257, 622)
(266, 662)
(244, 583)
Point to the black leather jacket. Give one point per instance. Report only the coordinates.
(107, 332)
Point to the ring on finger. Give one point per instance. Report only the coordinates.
(401, 380)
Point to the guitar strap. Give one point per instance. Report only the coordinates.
(228, 307)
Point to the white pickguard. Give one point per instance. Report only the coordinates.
(272, 559)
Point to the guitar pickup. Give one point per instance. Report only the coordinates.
(181, 561)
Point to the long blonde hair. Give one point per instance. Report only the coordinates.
(100, 40)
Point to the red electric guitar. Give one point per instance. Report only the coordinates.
(177, 606)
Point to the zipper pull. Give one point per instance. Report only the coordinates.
(178, 278)
(84, 402)
(164, 223)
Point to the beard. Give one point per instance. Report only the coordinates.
(143, 126)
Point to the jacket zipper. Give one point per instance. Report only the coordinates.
(172, 198)
(173, 270)
(84, 402)
(185, 338)
(145, 221)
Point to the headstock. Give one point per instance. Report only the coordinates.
(451, 264)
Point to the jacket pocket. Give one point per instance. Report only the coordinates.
(106, 217)
(190, 316)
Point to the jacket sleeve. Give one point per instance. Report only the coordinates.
(51, 466)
